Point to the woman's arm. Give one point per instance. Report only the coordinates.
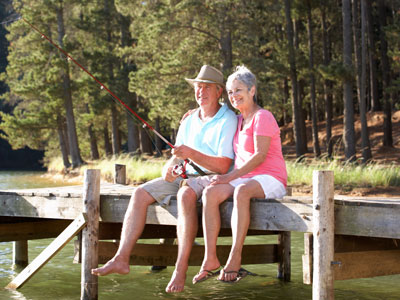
(261, 147)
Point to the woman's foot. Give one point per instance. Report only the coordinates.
(208, 269)
(231, 270)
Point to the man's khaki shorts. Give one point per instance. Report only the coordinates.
(162, 191)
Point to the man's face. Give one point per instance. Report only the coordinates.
(206, 93)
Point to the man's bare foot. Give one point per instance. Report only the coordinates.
(209, 268)
(177, 282)
(115, 265)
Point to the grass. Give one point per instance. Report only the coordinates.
(140, 169)
(346, 175)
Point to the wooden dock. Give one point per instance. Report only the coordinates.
(345, 237)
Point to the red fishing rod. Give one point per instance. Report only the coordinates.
(179, 169)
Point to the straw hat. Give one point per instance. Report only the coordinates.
(208, 74)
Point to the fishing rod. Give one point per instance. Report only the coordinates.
(178, 169)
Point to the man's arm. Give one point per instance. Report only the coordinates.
(215, 164)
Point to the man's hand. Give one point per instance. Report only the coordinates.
(168, 175)
(182, 152)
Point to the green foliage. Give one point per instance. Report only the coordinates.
(149, 47)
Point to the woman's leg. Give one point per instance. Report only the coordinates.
(213, 196)
(240, 223)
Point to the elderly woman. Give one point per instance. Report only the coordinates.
(259, 172)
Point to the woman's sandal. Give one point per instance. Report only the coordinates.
(209, 275)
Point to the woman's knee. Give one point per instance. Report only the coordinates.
(242, 193)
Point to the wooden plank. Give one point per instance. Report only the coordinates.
(366, 264)
(165, 255)
(48, 253)
(347, 243)
(378, 220)
(323, 235)
(40, 229)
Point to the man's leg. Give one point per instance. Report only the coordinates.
(132, 228)
(187, 226)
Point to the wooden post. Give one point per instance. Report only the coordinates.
(120, 174)
(323, 235)
(285, 254)
(20, 253)
(90, 234)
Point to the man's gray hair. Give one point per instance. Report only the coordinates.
(244, 75)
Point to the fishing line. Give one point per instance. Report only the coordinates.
(102, 86)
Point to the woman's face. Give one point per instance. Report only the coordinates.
(239, 94)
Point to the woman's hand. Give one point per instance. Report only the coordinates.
(187, 114)
(221, 179)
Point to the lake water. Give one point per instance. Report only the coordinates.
(60, 278)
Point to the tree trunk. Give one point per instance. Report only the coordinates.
(72, 136)
(145, 142)
(365, 144)
(94, 151)
(285, 115)
(293, 78)
(159, 142)
(327, 83)
(133, 132)
(373, 77)
(316, 149)
(114, 113)
(107, 143)
(61, 139)
(387, 117)
(116, 147)
(348, 132)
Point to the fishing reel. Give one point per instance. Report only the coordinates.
(180, 170)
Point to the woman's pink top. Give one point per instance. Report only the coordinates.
(263, 124)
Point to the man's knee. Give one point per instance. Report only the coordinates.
(186, 196)
(141, 197)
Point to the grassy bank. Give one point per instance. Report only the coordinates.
(346, 175)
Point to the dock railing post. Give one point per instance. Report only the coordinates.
(120, 174)
(90, 234)
(323, 235)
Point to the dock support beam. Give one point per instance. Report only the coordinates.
(20, 253)
(90, 234)
(323, 235)
(284, 267)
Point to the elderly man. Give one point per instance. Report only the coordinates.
(205, 137)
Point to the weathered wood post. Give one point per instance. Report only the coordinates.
(20, 253)
(90, 234)
(284, 244)
(284, 266)
(323, 235)
(120, 174)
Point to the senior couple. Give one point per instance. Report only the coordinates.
(213, 137)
